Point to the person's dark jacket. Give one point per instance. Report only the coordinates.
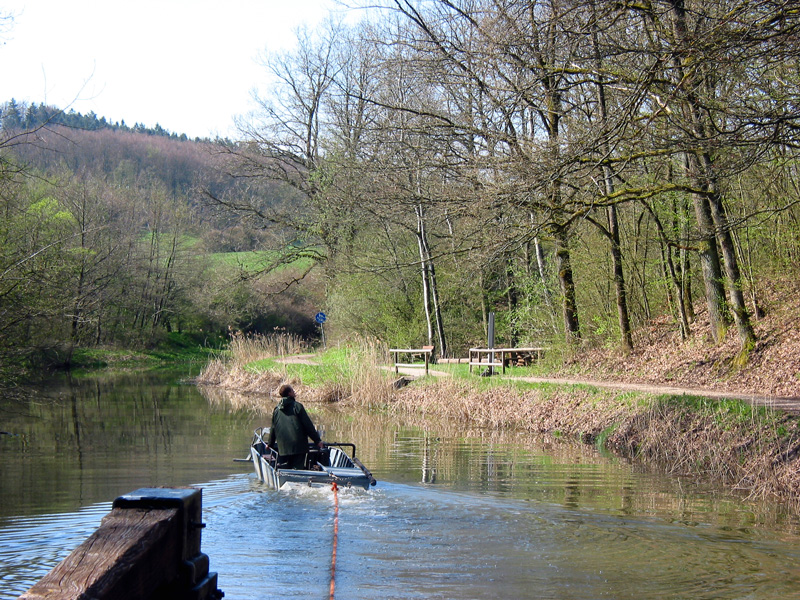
(291, 428)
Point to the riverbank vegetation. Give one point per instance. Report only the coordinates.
(176, 350)
(751, 451)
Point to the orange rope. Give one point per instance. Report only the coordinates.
(335, 489)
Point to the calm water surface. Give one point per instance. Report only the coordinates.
(456, 514)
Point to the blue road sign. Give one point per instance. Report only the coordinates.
(320, 317)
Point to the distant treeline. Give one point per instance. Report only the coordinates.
(16, 116)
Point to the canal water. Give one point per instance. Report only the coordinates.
(457, 512)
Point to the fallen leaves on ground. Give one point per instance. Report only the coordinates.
(660, 357)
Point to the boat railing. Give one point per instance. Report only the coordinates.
(259, 434)
(273, 457)
(352, 458)
(261, 438)
(343, 445)
(262, 447)
(336, 457)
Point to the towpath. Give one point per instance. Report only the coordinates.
(789, 405)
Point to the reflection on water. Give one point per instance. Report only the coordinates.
(456, 514)
(77, 442)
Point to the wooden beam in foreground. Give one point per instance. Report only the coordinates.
(146, 548)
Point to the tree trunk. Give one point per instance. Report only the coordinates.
(733, 277)
(540, 264)
(619, 281)
(611, 211)
(434, 293)
(674, 287)
(710, 267)
(568, 304)
(709, 208)
(426, 295)
(685, 265)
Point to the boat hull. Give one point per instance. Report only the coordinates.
(344, 472)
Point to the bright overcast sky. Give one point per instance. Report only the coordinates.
(188, 65)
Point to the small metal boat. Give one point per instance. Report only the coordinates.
(323, 466)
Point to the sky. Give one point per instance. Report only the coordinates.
(188, 65)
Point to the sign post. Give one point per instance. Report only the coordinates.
(490, 341)
(321, 318)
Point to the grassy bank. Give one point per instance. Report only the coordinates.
(752, 451)
(173, 349)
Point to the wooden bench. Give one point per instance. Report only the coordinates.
(425, 353)
(520, 356)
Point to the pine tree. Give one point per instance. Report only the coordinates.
(12, 118)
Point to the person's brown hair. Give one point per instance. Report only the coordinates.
(286, 391)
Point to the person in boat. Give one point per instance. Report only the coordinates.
(291, 428)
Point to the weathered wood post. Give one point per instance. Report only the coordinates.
(146, 548)
(428, 351)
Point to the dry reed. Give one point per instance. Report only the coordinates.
(363, 379)
(245, 349)
(248, 348)
(363, 382)
(759, 456)
(234, 377)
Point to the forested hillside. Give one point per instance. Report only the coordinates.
(577, 168)
(108, 240)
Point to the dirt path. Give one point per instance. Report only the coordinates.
(789, 405)
(299, 359)
(786, 404)
(417, 371)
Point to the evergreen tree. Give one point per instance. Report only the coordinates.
(12, 117)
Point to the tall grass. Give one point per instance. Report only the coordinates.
(232, 370)
(246, 349)
(348, 371)
(352, 371)
(367, 378)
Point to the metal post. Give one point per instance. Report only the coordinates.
(491, 342)
(320, 318)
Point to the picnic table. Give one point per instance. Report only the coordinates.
(488, 357)
(424, 353)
